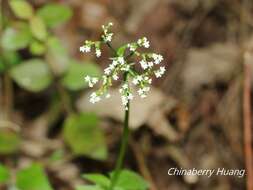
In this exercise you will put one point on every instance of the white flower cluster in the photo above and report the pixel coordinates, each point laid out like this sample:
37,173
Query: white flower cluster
91,80
126,95
88,45
107,35
120,64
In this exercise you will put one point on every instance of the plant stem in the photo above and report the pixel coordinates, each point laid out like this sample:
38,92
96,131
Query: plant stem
123,146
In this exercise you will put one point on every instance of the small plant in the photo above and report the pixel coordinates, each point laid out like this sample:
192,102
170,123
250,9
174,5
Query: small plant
123,67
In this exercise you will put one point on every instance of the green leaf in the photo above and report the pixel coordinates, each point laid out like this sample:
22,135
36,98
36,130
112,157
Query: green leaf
37,48
21,8
38,28
98,179
2,67
57,55
33,178
33,75
121,50
129,180
16,38
55,14
74,77
11,58
4,174
9,142
82,134
89,187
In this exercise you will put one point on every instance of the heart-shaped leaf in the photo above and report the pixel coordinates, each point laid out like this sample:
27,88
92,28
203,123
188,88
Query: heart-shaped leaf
21,8
98,179
129,180
57,55
33,178
82,134
16,38
74,77
4,174
55,14
33,75
89,187
38,28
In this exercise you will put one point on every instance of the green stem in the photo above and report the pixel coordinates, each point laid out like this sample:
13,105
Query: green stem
123,146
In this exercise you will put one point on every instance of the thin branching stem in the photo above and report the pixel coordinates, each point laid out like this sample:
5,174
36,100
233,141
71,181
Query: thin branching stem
123,146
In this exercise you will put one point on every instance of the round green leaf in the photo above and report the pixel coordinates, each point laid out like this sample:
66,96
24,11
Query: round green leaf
129,180
33,75
21,8
37,48
33,178
4,174
16,38
9,142
74,77
98,179
54,14
57,55
38,28
89,187
82,134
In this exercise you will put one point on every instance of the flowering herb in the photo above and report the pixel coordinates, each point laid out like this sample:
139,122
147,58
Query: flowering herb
122,68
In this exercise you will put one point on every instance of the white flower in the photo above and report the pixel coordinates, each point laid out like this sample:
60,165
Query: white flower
158,74
144,64
87,78
121,60
107,71
98,52
107,95
150,64
146,89
130,96
139,78
157,58
94,98
125,68
145,43
139,42
115,77
94,80
132,47
114,62
124,86
85,48
140,91
108,37
124,100
162,70
135,81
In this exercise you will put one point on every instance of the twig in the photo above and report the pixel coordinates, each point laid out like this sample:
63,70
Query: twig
247,57
247,124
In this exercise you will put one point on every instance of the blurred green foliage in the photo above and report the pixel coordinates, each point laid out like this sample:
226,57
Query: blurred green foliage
4,174
32,178
49,63
82,133
128,180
